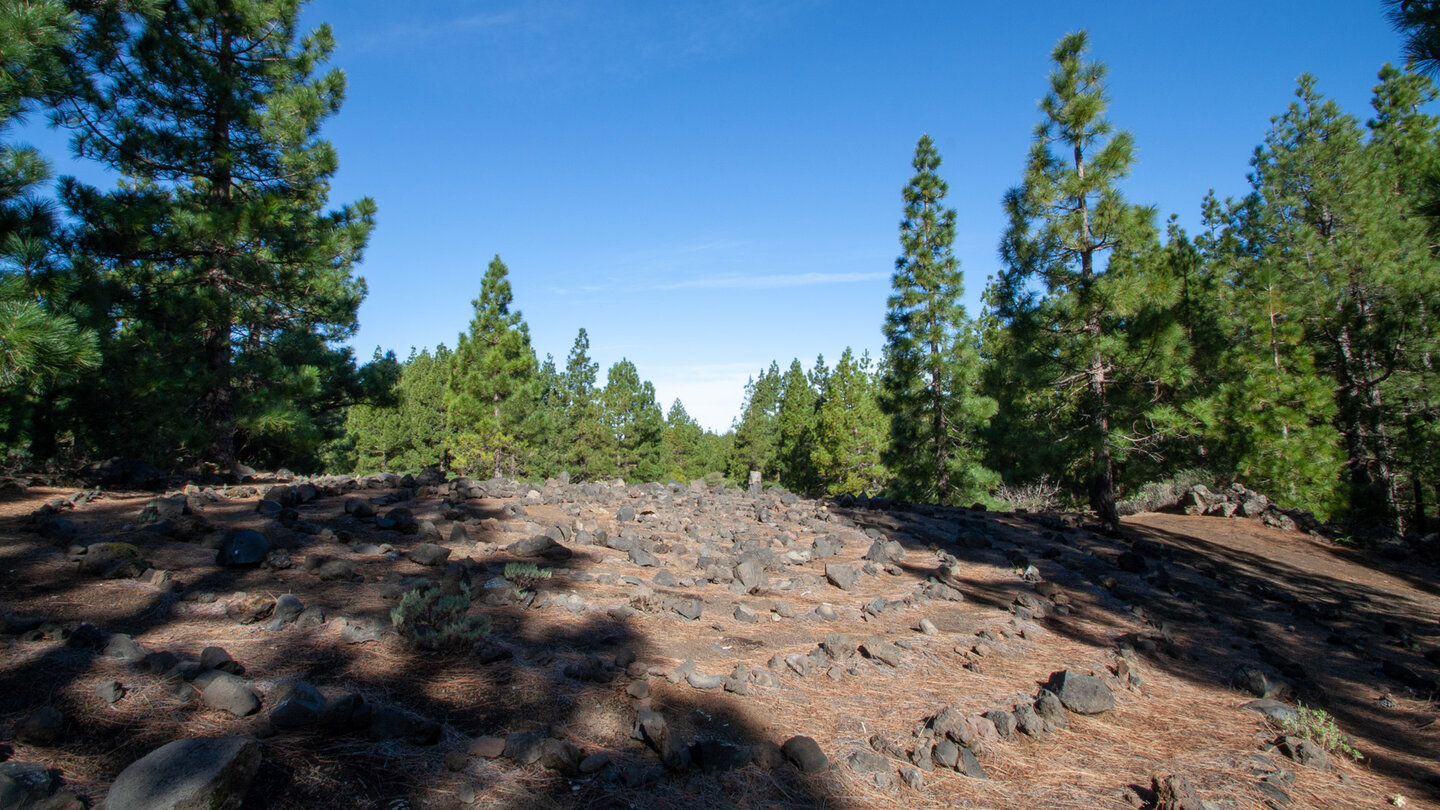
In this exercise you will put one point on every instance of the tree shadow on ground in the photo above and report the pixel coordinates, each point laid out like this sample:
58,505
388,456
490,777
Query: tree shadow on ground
534,690
1210,608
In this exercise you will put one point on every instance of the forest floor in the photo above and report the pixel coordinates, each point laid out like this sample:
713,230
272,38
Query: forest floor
1163,616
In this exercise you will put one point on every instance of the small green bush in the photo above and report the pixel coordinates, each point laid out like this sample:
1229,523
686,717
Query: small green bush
432,621
1319,727
524,577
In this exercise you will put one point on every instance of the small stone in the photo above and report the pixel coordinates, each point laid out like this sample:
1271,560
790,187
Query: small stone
689,608
456,760
868,762
841,576
970,766
881,650
110,690
192,773
288,608
1050,710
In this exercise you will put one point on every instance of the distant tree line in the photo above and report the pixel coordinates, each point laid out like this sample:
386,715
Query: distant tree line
196,313
489,408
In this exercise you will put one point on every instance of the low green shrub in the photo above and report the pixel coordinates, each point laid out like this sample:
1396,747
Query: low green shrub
524,577
432,621
1319,727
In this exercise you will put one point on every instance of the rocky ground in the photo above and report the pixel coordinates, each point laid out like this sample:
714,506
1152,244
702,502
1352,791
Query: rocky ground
694,648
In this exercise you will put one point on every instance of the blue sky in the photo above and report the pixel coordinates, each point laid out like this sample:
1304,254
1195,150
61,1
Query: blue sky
708,186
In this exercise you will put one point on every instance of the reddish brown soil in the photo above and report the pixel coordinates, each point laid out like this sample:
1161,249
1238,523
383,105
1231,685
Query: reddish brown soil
1236,592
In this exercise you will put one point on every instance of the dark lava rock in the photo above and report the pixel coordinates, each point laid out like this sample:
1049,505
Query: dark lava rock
243,547
841,576
1082,694
1004,722
40,727
804,753
113,561
717,755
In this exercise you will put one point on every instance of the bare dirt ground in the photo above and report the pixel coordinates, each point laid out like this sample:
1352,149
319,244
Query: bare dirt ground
1348,634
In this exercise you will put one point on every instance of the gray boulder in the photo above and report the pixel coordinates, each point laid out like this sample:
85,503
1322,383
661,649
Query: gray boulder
195,774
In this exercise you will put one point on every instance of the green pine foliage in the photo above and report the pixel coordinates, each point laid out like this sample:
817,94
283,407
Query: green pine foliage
851,432
1342,262
932,368
1082,293
684,452
491,387
757,431
587,450
432,620
411,433
40,342
795,430
636,425
230,280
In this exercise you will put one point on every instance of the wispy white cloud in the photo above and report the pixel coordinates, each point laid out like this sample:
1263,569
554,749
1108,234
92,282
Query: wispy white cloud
414,34
770,281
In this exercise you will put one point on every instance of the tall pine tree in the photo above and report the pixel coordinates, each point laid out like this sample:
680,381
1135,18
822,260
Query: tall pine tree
492,381
1078,271
930,388
218,247
40,341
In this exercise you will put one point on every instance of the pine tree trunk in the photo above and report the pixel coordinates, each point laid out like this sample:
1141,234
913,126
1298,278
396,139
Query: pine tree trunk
217,401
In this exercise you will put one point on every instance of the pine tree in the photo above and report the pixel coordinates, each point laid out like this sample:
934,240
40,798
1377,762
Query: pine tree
756,433
635,422
39,343
795,429
1337,219
930,389
851,433
1267,419
492,381
682,446
1079,268
217,249
587,452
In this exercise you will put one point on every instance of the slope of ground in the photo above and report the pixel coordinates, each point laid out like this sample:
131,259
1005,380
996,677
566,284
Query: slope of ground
785,644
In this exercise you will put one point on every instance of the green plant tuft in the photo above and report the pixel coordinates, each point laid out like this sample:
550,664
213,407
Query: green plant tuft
525,576
432,621
1319,727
